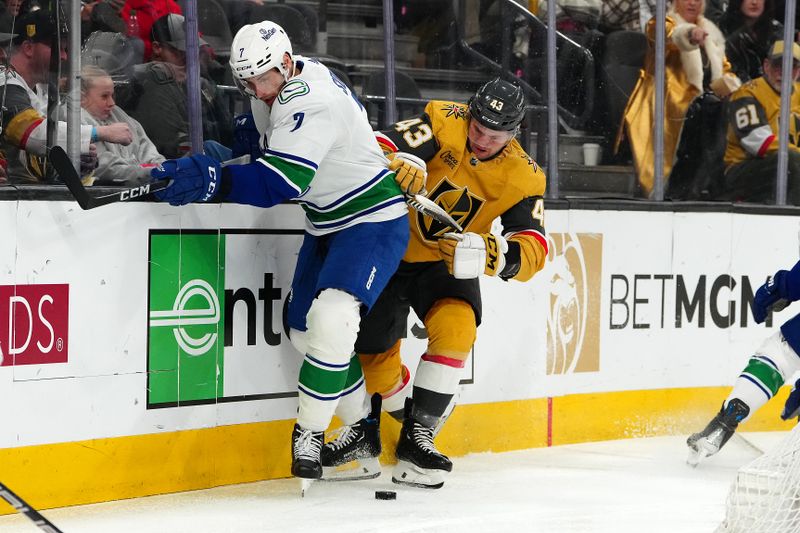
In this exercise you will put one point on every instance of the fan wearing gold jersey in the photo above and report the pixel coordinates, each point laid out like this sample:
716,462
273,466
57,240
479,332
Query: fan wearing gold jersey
751,157
477,171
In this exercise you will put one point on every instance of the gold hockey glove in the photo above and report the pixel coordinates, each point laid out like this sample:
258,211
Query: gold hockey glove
410,172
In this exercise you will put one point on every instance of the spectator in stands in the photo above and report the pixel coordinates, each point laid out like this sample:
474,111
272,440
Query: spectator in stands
574,16
25,103
13,6
131,164
160,103
6,25
117,55
695,64
714,10
751,158
750,28
631,15
147,12
101,16
5,38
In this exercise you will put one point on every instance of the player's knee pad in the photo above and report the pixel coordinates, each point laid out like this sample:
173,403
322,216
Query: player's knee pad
451,328
333,322
776,350
382,371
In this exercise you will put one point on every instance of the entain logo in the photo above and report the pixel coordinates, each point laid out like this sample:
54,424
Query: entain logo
181,316
573,272
185,358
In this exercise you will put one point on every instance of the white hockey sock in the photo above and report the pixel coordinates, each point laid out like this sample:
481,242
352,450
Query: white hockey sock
325,375
765,372
757,384
355,402
319,389
395,401
435,384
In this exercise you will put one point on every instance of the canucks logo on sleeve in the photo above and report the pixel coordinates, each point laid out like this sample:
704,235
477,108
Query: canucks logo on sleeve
293,89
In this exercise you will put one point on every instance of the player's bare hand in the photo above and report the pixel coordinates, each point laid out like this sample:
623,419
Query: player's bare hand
117,133
410,173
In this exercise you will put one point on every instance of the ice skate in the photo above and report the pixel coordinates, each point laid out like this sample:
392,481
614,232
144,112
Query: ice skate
354,451
419,463
721,428
306,446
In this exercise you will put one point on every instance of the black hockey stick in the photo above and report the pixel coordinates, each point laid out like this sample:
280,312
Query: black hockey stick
23,508
63,166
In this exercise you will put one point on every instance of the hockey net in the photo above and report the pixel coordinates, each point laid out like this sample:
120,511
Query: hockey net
765,497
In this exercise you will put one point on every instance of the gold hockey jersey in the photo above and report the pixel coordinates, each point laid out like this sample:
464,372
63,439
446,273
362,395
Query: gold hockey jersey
509,185
753,115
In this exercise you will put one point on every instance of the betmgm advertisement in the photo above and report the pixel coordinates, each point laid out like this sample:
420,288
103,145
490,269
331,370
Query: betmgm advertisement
215,330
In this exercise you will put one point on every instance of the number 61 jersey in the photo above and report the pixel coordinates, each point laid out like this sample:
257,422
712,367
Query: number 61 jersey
754,112
509,185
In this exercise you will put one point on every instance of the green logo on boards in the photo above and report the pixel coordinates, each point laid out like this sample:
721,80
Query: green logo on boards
185,318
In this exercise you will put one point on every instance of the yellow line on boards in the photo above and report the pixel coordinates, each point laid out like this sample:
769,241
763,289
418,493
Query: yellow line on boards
73,473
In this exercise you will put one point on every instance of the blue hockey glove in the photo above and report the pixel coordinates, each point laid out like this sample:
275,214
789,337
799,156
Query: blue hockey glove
246,137
792,407
770,297
194,179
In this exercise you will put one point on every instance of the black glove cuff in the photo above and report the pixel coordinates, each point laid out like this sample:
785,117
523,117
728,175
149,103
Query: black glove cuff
513,261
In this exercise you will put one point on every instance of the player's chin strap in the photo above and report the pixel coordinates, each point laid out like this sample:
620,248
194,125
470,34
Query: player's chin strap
285,70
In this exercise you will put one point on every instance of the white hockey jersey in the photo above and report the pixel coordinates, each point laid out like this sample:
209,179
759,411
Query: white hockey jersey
317,137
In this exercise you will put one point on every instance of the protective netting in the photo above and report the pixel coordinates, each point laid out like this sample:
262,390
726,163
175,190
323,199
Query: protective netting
765,497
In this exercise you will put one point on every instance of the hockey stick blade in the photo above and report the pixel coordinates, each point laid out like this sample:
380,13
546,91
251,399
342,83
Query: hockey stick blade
22,507
63,166
427,207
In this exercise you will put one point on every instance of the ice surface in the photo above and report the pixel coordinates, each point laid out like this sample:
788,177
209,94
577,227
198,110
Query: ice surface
626,486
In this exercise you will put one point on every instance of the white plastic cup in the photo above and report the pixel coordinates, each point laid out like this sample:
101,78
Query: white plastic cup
591,154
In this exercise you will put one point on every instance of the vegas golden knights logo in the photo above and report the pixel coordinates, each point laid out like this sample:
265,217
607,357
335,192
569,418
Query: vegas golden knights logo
573,271
459,202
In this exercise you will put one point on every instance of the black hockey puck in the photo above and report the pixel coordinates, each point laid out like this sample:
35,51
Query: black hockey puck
385,495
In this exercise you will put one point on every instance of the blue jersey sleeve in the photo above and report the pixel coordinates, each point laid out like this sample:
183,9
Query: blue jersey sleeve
257,184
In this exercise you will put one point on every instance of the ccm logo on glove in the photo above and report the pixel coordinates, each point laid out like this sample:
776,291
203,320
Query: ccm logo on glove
212,184
468,255
194,179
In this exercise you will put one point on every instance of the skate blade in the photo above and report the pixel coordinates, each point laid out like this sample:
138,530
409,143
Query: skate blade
407,473
701,450
360,469
305,484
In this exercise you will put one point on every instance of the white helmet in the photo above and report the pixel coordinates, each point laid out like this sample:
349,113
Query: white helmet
257,48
